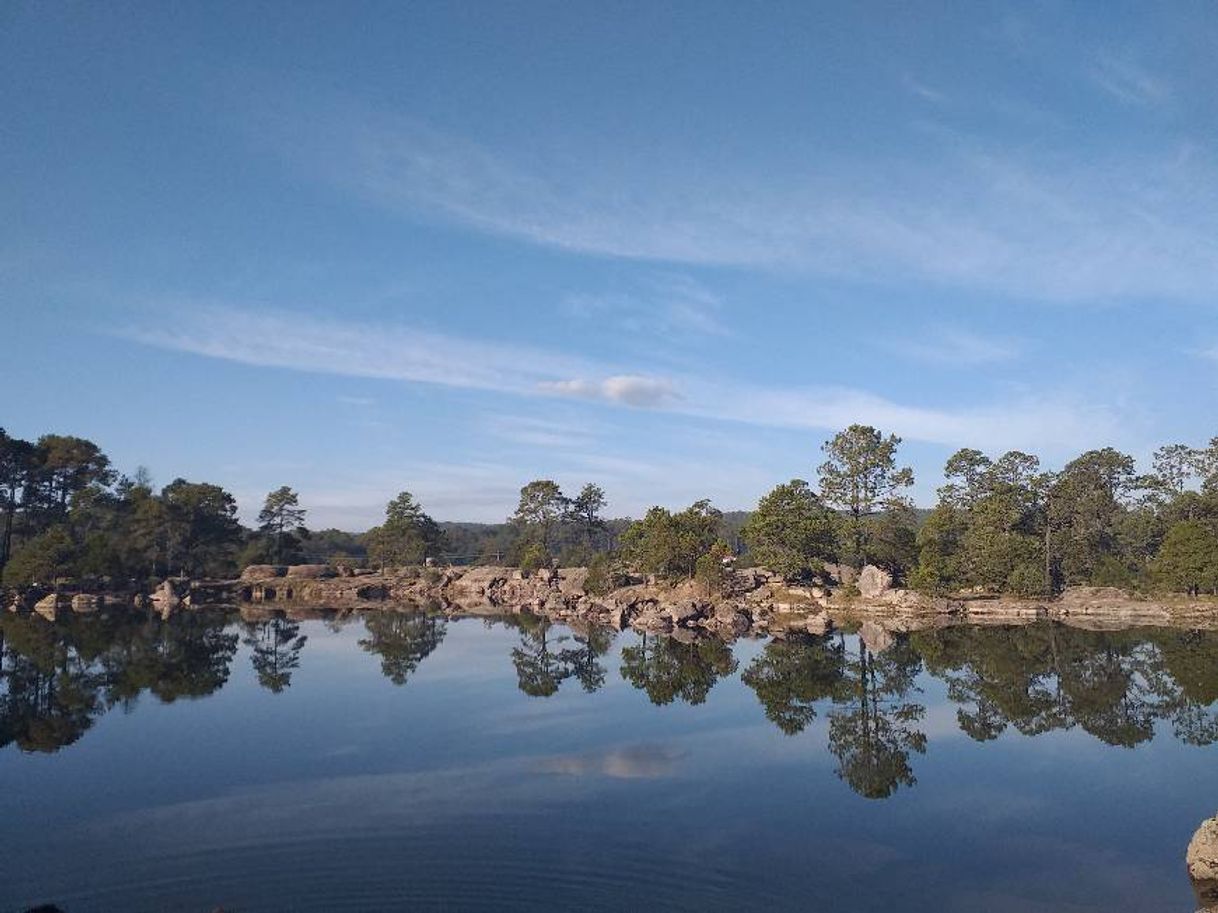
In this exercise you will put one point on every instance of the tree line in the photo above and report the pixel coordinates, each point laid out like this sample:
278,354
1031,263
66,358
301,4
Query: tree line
66,512
1001,524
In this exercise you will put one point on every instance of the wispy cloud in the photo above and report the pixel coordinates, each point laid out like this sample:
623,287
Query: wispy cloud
669,305
1126,81
956,347
1025,222
923,91
1051,423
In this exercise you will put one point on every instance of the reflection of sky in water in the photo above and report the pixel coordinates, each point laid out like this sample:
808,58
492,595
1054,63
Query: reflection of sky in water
457,790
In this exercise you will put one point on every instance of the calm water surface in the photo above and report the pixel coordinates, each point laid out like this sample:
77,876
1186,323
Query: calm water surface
404,762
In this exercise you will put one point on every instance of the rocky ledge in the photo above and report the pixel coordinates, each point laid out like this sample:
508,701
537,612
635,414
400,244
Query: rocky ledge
754,601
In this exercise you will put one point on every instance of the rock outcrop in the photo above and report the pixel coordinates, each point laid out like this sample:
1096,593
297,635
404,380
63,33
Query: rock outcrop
874,582
1202,861
311,571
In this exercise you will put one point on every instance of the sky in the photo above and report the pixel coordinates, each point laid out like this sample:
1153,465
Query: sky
360,248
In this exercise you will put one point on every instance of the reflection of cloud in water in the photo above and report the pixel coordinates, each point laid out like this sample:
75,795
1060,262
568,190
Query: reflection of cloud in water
627,763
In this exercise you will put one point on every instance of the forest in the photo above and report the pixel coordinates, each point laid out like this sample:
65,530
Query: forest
1001,524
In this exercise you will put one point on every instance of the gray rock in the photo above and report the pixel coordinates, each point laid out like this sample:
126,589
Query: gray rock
874,582
1202,861
310,571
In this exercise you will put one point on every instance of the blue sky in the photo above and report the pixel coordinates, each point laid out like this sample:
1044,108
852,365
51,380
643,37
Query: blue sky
669,247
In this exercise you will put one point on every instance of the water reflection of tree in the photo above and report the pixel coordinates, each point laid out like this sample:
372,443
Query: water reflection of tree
583,660
56,679
275,646
872,726
789,676
188,658
539,670
668,669
402,641
1112,685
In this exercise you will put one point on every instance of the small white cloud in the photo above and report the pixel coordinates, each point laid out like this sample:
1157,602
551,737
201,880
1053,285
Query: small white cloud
626,389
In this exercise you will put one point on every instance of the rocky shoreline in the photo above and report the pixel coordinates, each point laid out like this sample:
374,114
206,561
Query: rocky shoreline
754,602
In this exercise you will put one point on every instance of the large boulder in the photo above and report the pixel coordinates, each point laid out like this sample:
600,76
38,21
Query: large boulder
262,572
311,571
1202,861
874,582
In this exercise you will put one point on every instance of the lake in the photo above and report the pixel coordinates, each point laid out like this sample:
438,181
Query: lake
397,761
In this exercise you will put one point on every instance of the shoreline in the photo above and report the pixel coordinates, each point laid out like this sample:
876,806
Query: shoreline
755,603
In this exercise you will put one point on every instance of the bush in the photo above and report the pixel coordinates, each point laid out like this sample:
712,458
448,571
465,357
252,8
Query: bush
431,575
576,556
1110,571
1027,580
605,574
534,558
927,581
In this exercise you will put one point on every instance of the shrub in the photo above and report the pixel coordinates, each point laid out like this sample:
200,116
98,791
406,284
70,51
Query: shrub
605,574
534,558
1027,580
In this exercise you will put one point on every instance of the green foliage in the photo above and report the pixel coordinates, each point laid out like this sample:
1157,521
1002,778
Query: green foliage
939,543
43,559
541,509
280,518
585,511
669,545
1188,561
198,527
1027,580
791,532
711,570
407,537
580,555
534,558
892,537
859,477
605,574
1086,504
